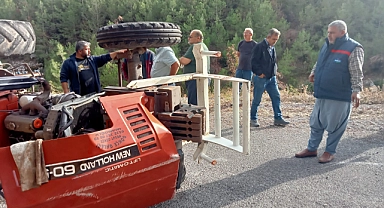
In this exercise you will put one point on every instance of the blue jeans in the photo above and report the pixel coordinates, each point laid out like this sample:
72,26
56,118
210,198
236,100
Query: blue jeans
244,74
191,91
270,85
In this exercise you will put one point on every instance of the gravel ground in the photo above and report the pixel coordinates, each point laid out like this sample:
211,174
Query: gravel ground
271,177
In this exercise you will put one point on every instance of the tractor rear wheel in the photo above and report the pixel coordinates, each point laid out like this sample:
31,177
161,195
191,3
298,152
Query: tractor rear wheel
131,35
16,38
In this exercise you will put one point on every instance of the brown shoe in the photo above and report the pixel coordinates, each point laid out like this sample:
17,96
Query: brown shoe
326,157
306,153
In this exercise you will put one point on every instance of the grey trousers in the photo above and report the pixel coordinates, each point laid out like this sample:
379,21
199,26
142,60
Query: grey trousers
330,115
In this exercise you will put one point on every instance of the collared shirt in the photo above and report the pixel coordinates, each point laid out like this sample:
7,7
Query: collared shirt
356,60
270,48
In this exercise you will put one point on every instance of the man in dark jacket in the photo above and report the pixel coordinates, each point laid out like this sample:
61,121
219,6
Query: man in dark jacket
264,68
338,80
81,70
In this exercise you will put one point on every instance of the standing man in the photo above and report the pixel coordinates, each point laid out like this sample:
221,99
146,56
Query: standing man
244,52
165,62
81,69
189,62
146,63
338,80
264,67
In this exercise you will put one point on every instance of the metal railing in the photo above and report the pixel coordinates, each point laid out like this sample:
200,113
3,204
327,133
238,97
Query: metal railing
202,76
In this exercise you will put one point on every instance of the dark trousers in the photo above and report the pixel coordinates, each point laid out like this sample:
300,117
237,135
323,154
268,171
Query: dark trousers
191,92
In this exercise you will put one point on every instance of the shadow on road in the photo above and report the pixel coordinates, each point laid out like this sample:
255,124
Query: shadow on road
273,173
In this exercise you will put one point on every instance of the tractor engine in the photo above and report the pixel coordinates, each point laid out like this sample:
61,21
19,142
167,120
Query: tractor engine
28,122
22,127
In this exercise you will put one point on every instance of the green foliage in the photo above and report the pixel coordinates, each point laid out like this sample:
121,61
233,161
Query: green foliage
303,57
286,66
109,75
53,63
59,24
232,60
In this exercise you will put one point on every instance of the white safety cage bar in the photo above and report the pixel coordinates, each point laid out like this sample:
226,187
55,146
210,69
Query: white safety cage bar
202,76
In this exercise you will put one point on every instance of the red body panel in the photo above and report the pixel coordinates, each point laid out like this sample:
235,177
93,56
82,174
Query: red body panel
141,180
8,101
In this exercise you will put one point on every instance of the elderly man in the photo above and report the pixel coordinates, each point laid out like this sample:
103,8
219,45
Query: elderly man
244,52
337,77
81,69
189,62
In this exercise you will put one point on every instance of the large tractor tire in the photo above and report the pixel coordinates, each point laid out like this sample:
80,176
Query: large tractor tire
131,35
16,38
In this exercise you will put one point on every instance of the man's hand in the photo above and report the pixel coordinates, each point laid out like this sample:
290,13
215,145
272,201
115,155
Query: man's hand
184,61
119,54
355,99
218,54
311,77
65,87
262,76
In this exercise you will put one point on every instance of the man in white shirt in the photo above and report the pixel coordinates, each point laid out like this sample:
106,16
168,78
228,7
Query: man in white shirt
165,62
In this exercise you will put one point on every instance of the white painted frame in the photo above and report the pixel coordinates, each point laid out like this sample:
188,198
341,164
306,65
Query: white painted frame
202,77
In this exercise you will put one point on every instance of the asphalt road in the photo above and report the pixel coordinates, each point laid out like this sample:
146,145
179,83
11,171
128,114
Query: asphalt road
271,177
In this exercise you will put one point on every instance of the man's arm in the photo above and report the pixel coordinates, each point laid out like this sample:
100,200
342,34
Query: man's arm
255,60
118,54
312,75
188,56
170,60
105,58
356,61
184,61
174,68
64,76
238,49
65,87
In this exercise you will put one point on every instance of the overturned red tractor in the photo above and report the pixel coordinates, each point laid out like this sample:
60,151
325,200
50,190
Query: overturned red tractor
118,148
101,150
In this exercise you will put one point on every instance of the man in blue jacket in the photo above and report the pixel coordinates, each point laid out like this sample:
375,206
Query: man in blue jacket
338,80
264,68
81,70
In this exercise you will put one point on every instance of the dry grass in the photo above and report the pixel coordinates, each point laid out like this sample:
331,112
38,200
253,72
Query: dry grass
298,103
368,96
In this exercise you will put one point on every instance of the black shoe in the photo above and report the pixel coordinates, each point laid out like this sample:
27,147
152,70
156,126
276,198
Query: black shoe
280,122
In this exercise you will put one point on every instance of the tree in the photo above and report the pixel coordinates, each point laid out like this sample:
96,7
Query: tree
303,24
302,51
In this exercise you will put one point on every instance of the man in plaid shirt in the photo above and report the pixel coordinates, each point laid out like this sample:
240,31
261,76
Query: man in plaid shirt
338,81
